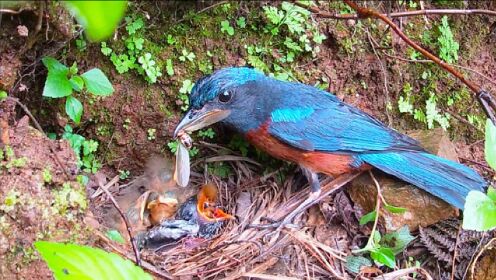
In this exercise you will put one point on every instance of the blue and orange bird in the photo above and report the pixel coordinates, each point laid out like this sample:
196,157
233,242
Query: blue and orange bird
308,126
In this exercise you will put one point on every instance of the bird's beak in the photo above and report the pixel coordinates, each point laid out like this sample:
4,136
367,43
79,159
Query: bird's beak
198,119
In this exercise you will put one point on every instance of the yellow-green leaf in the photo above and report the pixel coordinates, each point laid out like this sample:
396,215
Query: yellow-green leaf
71,261
100,18
97,83
490,145
73,108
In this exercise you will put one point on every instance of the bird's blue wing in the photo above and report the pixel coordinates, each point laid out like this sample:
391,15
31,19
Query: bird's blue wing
314,120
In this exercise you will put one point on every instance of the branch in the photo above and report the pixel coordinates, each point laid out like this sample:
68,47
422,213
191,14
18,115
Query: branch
487,101
325,14
128,226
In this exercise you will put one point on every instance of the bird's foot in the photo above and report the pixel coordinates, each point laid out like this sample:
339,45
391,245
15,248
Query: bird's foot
287,221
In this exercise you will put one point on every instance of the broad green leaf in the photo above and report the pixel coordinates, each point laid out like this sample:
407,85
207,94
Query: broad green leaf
97,83
100,18
355,263
77,83
115,235
57,85
73,108
480,212
491,193
490,145
71,261
54,65
384,256
368,218
376,237
395,209
397,240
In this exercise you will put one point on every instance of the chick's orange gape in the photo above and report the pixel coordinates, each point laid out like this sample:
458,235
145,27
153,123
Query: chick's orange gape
207,204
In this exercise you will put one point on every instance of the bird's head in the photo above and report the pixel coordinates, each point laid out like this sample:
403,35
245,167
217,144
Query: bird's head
224,96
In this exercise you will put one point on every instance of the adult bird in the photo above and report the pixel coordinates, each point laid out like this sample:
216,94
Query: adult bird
316,130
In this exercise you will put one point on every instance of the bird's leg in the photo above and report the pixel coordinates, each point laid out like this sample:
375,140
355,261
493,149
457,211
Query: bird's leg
313,180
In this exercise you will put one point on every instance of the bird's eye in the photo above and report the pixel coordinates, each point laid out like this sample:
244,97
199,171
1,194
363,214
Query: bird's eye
225,97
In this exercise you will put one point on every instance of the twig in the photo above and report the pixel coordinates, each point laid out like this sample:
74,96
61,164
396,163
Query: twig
485,99
146,265
204,9
455,252
397,274
486,247
106,187
430,61
326,14
38,126
384,73
461,119
379,201
128,226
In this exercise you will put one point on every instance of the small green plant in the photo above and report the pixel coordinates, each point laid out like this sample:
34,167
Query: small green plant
206,133
190,56
81,44
63,81
149,66
126,124
84,150
124,174
134,55
184,92
173,148
480,208
47,175
448,47
151,134
169,67
71,261
225,27
241,22
3,95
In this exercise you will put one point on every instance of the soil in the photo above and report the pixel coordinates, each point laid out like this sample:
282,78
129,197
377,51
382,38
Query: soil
121,123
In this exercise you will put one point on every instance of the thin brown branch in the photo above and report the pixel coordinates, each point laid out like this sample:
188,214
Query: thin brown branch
326,14
128,226
430,61
38,126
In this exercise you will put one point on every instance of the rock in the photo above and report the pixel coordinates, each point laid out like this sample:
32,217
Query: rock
423,209
9,66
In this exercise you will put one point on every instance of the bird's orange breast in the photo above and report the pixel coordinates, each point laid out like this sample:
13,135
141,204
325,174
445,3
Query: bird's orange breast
321,162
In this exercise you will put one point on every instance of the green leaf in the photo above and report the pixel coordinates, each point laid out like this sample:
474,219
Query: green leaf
355,263
73,69
491,193
397,240
97,83
384,256
73,108
368,218
395,209
100,18
54,65
71,261
480,212
77,83
169,67
490,146
57,85
3,95
115,235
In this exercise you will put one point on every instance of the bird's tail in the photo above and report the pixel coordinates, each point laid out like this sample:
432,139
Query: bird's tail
443,178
